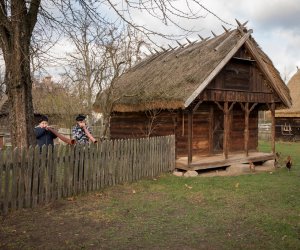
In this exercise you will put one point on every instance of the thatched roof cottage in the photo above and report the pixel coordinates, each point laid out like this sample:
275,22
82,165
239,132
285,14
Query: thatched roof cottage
207,93
288,120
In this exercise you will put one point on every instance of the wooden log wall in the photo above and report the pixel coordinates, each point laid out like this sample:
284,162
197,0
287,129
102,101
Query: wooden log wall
236,139
240,81
142,124
287,128
31,177
204,138
201,125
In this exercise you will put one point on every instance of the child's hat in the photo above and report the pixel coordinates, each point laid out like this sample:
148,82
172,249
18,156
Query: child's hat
43,118
80,118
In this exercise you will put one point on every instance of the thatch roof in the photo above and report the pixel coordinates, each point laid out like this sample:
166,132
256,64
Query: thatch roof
173,78
55,102
294,87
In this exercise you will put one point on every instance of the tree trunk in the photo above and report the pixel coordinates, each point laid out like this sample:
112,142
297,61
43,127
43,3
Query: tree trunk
20,101
17,22
19,88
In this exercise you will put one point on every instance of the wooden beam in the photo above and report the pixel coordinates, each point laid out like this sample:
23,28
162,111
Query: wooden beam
156,51
217,69
224,41
201,37
170,47
189,41
253,106
213,33
197,105
231,106
211,130
226,130
226,112
246,130
226,30
272,109
219,106
163,48
247,111
181,45
190,138
239,24
244,24
182,124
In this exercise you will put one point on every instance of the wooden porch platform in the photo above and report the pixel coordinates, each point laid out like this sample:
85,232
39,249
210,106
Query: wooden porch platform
216,161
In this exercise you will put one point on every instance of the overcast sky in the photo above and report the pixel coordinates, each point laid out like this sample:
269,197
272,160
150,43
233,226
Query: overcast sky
275,24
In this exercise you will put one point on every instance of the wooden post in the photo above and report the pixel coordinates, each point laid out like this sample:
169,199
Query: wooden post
226,130
272,109
190,137
226,110
211,130
246,130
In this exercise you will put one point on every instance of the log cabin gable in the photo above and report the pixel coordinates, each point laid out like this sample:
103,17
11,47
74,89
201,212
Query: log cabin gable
241,76
240,80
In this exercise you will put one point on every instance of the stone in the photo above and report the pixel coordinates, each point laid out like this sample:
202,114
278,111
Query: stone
177,173
190,173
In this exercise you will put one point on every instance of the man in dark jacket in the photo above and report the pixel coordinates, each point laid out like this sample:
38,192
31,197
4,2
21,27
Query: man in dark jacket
42,134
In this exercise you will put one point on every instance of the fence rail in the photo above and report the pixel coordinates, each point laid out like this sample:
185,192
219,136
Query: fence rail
33,176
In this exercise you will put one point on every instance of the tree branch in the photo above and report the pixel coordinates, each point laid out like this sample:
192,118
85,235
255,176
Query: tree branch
33,13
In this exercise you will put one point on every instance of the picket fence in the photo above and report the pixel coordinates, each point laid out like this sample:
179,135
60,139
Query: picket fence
33,176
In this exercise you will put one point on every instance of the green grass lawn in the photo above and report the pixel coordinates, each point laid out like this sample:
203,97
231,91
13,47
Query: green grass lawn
285,148
254,211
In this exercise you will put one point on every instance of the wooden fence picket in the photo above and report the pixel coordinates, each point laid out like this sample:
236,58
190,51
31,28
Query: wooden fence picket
42,175
21,187
36,166
66,171
71,187
102,163
50,164
7,181
14,178
34,175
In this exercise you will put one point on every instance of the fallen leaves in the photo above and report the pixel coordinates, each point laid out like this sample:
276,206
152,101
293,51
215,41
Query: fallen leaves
187,186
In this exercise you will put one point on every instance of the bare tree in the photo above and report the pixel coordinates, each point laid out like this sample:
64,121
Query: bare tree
151,124
18,19
85,64
101,54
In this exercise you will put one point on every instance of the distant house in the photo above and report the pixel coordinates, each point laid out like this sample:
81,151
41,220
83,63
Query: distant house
288,120
207,94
